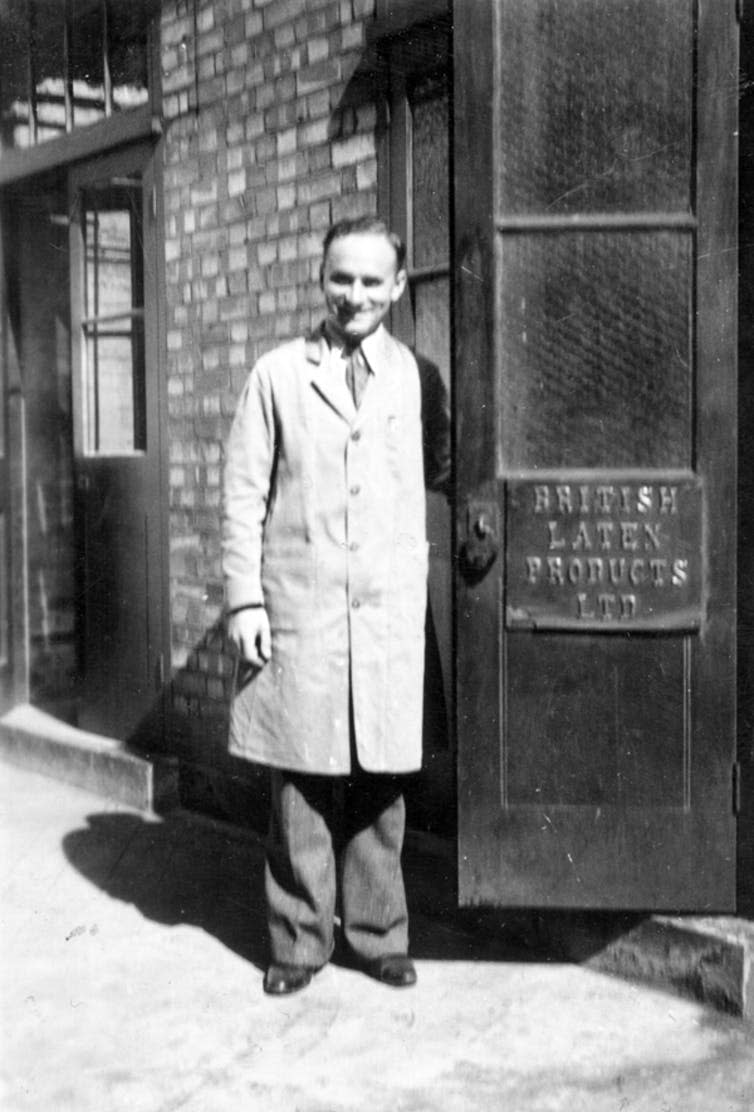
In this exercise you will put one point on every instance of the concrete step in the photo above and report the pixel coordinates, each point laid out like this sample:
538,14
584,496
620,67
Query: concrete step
30,738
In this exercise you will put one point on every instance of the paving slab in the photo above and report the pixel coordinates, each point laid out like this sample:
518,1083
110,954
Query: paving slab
132,956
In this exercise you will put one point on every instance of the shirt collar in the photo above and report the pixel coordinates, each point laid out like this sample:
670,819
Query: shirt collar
371,345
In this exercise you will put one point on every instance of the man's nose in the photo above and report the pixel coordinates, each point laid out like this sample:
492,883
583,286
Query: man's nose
355,292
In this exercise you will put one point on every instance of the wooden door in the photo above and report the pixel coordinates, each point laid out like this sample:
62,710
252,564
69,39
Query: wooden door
595,220
5,562
117,402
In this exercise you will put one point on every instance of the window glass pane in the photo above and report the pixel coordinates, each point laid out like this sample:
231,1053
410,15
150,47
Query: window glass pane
114,382
595,350
113,334
128,54
430,201
614,131
108,263
87,69
14,88
49,68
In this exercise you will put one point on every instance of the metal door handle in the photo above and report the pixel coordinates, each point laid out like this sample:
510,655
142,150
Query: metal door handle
480,547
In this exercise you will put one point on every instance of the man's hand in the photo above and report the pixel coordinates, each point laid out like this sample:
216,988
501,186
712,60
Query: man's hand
249,630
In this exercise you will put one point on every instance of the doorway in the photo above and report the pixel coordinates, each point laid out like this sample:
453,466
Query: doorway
84,267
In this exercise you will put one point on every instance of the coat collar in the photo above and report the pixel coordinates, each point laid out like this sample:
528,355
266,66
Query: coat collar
376,348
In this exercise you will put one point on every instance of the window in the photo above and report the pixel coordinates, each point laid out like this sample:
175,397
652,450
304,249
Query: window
112,320
416,196
68,63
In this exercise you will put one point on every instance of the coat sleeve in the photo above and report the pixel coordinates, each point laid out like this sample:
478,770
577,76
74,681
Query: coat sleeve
435,427
247,480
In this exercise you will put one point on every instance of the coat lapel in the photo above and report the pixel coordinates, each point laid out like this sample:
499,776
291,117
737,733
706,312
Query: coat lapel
331,387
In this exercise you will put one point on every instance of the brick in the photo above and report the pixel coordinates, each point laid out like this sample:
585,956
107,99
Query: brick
235,82
254,75
352,36
315,189
211,43
285,88
284,37
204,193
235,283
178,29
207,67
363,9
286,196
286,142
317,49
236,183
265,200
366,175
254,126
239,55
356,149
319,215
314,132
254,25
283,11
237,258
353,205
318,76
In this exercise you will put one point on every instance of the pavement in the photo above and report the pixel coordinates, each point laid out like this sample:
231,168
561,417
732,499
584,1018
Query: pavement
132,952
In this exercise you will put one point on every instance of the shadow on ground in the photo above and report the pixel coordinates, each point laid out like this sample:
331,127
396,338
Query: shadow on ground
183,870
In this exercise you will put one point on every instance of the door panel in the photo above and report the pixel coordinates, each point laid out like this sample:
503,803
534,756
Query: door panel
595,349
595,293
117,441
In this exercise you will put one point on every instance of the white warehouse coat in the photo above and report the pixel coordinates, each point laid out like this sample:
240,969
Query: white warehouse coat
324,522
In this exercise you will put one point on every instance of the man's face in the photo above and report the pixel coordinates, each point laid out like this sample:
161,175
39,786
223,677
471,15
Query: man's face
360,281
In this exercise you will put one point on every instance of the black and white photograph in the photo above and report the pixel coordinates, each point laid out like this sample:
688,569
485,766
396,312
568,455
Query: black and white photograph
376,555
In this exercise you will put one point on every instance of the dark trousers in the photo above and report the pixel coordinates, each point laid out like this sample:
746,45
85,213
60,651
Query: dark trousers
317,822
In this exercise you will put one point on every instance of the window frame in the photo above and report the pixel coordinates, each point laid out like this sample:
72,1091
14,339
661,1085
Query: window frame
109,168
395,152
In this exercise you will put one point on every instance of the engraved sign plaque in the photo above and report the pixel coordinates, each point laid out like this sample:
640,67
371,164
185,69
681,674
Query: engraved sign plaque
612,555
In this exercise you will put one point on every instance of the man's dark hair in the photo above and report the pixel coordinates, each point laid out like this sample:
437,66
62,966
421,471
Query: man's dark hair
366,225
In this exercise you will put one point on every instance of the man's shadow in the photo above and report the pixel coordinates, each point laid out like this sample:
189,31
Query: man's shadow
180,870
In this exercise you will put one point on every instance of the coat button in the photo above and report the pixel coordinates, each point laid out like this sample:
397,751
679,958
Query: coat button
355,604
354,546
356,435
355,489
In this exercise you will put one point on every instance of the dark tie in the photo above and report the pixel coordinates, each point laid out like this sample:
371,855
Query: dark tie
357,374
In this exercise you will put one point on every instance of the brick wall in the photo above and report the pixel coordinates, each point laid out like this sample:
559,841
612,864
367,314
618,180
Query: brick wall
265,145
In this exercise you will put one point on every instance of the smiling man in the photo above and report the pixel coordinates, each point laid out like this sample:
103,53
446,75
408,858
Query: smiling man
325,563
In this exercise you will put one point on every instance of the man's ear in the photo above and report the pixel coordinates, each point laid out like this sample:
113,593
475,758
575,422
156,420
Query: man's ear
400,284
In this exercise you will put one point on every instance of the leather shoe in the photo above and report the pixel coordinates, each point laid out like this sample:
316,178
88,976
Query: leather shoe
281,980
396,970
